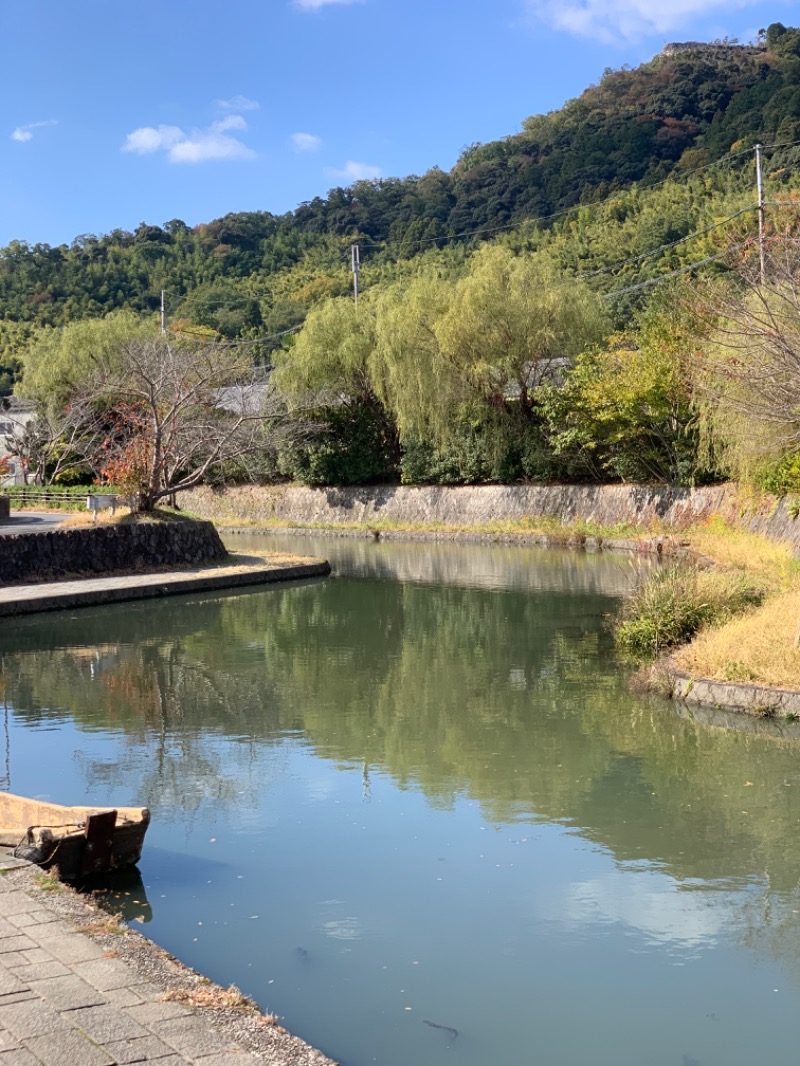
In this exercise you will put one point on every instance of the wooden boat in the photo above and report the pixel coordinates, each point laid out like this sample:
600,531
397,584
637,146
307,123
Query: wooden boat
79,841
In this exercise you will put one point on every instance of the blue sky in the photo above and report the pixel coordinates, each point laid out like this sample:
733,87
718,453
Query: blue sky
116,112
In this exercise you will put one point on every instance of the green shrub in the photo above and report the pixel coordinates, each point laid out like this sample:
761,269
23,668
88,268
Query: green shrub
783,477
354,445
487,449
673,602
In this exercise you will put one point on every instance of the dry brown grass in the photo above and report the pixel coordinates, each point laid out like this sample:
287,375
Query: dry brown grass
107,925
212,997
83,519
736,549
757,648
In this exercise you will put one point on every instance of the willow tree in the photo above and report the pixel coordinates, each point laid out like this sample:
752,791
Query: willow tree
56,361
328,375
514,323
479,347
411,376
329,361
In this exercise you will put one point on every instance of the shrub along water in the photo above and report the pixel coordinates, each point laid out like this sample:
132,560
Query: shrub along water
673,602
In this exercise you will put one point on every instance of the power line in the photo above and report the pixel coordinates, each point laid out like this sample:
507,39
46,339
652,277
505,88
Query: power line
239,344
665,247
674,273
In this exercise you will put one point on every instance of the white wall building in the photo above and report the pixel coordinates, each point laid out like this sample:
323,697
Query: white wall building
15,414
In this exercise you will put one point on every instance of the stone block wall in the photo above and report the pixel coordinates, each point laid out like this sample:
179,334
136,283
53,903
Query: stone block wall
641,506
62,553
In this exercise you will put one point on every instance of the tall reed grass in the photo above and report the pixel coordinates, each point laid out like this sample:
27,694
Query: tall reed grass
675,601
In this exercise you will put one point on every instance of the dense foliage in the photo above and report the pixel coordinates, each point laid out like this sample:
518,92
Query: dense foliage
510,325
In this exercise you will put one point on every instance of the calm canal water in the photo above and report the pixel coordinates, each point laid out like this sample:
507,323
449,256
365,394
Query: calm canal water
420,792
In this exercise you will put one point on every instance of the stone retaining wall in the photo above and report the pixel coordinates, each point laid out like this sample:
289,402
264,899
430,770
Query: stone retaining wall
62,553
5,508
602,505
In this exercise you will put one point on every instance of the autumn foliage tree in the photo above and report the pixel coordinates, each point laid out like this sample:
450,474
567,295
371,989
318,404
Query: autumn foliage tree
178,413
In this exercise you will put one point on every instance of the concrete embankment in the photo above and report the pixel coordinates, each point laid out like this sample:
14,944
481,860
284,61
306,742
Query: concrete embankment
481,507
758,700
241,572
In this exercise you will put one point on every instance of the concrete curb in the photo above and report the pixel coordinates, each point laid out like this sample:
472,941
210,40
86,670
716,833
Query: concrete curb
90,592
757,700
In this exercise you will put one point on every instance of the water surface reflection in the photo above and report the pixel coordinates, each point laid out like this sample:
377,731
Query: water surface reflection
421,791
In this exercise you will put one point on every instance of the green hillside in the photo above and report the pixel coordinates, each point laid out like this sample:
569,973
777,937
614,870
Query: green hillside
516,323
250,273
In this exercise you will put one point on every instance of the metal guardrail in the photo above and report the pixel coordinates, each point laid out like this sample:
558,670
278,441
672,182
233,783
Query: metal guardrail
92,500
35,495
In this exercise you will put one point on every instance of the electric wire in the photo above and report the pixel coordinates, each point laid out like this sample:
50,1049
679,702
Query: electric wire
667,247
674,273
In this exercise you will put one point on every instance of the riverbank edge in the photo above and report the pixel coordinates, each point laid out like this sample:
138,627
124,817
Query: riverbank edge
760,701
245,1023
573,539
755,700
92,592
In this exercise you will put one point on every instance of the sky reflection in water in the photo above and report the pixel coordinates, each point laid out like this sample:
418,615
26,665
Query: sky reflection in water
420,791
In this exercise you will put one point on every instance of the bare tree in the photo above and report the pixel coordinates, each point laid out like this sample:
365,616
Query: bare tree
176,413
57,442
748,362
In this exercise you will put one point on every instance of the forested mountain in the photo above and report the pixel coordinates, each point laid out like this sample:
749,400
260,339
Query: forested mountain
254,272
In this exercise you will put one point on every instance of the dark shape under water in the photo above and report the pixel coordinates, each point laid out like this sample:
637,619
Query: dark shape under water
454,1032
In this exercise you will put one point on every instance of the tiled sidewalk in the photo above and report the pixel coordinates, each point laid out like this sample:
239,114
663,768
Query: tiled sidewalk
66,1001
63,1002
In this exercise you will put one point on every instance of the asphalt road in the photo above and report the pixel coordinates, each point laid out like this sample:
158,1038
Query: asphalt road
31,522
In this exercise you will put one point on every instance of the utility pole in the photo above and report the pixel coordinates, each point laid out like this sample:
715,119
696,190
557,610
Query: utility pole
163,315
760,187
355,258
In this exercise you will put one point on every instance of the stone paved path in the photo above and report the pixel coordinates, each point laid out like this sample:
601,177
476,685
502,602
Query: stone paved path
64,1003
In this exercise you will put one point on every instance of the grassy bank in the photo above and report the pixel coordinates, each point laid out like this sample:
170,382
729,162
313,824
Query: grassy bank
741,618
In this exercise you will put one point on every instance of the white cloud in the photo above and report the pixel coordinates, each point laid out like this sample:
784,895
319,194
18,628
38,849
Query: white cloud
149,139
355,171
25,133
306,142
238,103
315,5
199,146
611,21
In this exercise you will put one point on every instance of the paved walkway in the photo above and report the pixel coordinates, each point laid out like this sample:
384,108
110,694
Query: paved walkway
31,522
65,1001
84,592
